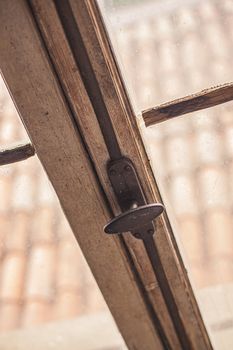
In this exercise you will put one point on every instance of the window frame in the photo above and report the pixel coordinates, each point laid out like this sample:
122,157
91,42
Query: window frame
56,109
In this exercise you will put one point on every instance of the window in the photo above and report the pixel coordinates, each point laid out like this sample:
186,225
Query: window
76,94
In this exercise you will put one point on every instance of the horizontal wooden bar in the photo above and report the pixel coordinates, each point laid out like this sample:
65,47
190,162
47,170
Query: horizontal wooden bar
204,99
16,154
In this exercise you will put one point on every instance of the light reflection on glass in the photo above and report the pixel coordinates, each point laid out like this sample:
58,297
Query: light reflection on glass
168,49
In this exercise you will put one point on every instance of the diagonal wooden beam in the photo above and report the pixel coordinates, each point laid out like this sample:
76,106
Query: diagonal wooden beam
65,58
59,115
204,99
42,106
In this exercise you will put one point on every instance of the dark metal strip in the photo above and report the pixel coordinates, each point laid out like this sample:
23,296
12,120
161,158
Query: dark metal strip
154,317
78,49
157,265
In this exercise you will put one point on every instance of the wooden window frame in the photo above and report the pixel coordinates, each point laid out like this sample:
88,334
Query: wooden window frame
206,98
56,108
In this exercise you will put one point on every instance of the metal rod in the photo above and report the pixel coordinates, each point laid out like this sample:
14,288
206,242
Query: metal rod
204,99
16,154
154,317
161,277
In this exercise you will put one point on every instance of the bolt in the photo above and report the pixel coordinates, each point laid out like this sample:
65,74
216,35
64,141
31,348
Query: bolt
134,205
137,235
150,232
112,172
127,168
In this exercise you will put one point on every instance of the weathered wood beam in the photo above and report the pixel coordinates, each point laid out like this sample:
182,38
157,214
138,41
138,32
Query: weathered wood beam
41,104
16,154
114,95
204,99
58,127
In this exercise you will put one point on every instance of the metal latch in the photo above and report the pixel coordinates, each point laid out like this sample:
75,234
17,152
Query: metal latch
137,216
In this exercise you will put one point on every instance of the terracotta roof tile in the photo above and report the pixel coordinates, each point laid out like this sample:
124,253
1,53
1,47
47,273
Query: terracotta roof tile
200,275
204,120
4,225
63,228
179,155
7,131
208,147
5,192
18,232
164,28
185,18
68,265
39,282
68,304
228,138
12,277
10,315
190,232
180,128
46,194
43,225
213,188
183,195
220,271
208,10
23,189
96,302
219,228
35,312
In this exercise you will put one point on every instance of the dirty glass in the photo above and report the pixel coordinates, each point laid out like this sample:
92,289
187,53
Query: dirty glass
48,296
168,49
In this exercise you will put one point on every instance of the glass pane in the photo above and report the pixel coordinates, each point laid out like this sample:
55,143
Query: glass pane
168,49
192,158
48,296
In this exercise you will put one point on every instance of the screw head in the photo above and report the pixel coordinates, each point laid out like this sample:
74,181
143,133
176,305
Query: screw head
112,172
150,232
137,235
127,168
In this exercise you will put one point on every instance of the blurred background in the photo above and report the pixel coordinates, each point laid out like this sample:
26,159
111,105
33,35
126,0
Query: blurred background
166,49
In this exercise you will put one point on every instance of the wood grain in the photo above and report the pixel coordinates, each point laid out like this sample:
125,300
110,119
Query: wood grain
205,99
124,123
16,154
43,108
86,119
